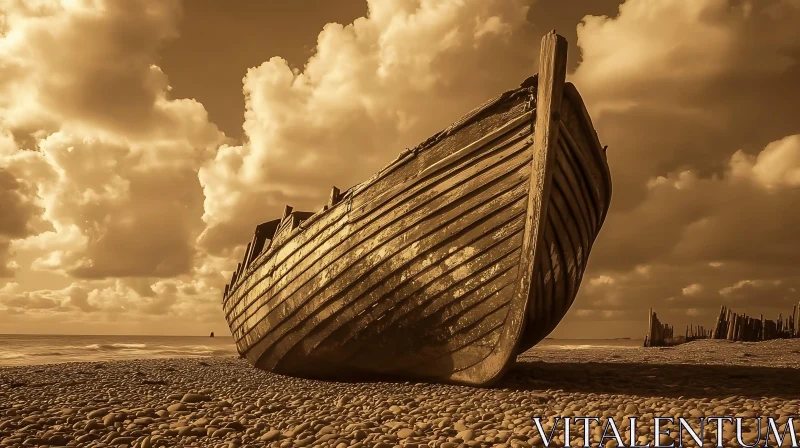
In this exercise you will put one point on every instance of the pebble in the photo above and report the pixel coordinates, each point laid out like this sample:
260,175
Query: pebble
238,406
195,398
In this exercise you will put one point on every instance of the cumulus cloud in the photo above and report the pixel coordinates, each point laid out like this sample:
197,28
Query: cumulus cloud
114,160
778,165
165,306
17,212
373,87
693,289
663,102
98,165
703,152
141,204
194,300
776,290
123,173
631,48
688,227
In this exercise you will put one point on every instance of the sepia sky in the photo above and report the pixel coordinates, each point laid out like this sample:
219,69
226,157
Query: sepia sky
142,141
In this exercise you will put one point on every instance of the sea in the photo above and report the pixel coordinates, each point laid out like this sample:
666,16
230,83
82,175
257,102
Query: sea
19,350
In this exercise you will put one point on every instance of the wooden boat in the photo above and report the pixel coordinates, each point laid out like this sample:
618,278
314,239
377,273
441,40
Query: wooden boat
459,255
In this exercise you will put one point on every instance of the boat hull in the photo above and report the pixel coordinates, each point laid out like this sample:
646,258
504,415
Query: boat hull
417,272
447,263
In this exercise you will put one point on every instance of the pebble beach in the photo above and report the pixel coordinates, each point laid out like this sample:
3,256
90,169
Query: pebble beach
224,402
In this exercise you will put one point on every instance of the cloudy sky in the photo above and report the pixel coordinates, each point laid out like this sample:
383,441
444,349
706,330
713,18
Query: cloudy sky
141,142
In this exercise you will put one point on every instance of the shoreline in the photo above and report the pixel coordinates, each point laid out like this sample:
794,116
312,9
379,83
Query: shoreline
224,402
22,350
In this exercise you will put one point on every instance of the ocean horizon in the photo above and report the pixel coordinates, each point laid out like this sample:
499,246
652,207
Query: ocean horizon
38,349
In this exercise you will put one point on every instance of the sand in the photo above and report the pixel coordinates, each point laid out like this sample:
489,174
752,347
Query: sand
223,402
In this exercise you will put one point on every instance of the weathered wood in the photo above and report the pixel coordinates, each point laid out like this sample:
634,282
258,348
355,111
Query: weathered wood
448,262
287,210
750,329
263,235
663,335
547,124
334,196
474,146
719,324
247,254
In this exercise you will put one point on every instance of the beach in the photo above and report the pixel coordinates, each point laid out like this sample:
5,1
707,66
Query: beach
221,401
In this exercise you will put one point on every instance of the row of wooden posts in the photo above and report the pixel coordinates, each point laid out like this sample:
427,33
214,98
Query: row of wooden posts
731,326
741,327
658,334
662,335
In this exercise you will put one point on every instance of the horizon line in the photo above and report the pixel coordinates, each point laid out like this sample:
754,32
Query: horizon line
227,335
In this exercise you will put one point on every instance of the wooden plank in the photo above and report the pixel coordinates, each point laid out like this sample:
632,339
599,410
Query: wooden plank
569,166
568,191
348,304
364,241
368,256
552,75
561,293
334,197
329,300
287,210
246,256
491,155
445,272
585,168
431,297
474,146
407,214
718,323
577,120
563,236
411,162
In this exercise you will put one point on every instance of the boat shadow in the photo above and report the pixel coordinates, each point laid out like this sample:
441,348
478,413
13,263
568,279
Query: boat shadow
662,380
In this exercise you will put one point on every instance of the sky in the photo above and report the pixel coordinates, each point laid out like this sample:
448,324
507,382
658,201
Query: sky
142,141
